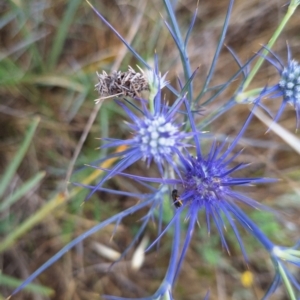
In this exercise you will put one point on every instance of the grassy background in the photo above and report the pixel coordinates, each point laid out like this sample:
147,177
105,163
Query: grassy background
50,51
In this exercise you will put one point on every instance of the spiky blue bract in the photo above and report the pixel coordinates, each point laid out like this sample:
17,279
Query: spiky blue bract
155,135
288,86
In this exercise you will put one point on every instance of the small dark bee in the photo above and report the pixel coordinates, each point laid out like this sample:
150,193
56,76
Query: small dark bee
176,199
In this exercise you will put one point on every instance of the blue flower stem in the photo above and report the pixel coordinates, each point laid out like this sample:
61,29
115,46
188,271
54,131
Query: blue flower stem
286,281
249,94
151,105
293,252
170,274
290,11
217,53
181,47
174,255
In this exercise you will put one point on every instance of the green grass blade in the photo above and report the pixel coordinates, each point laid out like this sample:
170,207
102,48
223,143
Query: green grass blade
13,166
20,192
55,80
10,72
12,282
62,32
24,18
36,218
23,44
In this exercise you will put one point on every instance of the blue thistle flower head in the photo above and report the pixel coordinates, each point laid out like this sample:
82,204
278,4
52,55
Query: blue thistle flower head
288,86
207,181
155,135
290,82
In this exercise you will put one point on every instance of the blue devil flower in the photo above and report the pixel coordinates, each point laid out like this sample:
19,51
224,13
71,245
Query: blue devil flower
207,183
155,134
288,86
